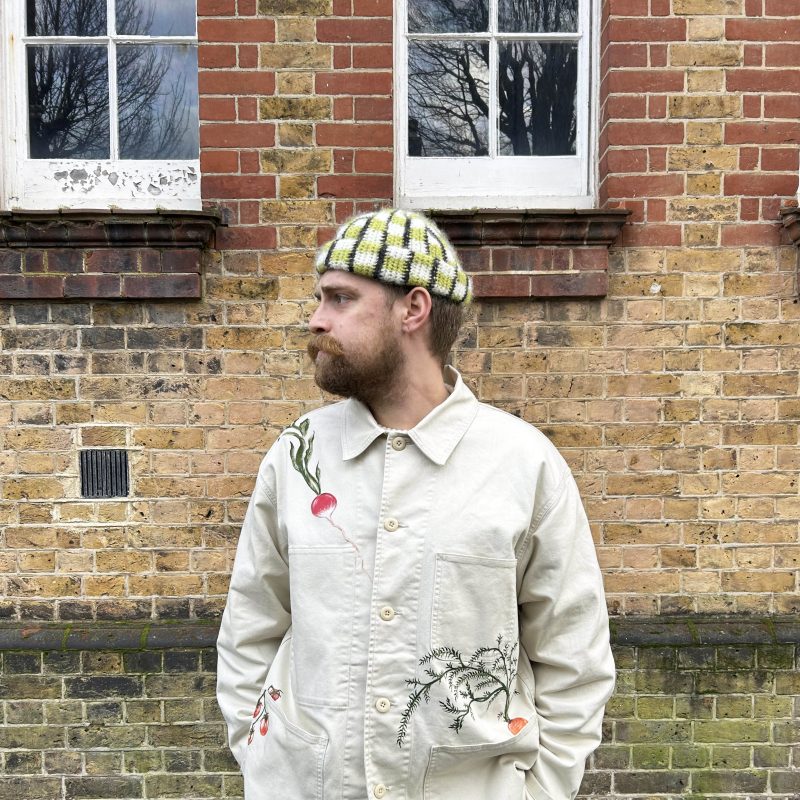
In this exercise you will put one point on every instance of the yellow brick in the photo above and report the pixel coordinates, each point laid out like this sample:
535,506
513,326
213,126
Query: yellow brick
37,389
304,55
748,581
119,413
708,29
704,183
33,488
642,581
755,483
758,384
39,561
39,439
704,133
295,29
644,285
302,236
706,55
659,485
776,285
300,108
730,8
103,436
295,134
35,463
260,339
701,235
642,385
231,289
297,186
709,106
286,211
702,209
278,8
295,83
703,260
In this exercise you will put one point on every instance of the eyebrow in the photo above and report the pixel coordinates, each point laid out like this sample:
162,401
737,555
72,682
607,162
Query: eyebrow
332,288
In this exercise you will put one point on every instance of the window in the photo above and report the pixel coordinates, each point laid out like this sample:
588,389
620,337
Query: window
495,103
99,104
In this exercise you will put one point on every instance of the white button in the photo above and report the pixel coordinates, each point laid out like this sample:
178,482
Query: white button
387,613
380,790
391,524
399,442
382,705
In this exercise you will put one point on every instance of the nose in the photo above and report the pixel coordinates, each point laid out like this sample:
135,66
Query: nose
318,323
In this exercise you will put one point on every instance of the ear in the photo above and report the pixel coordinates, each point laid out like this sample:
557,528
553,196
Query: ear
416,309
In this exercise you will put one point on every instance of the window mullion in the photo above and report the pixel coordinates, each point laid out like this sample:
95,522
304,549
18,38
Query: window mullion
494,100
113,110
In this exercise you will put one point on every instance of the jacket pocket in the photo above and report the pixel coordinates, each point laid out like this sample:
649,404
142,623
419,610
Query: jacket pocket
474,602
284,761
481,771
322,584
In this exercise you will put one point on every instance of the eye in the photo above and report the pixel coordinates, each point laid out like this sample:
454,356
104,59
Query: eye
340,299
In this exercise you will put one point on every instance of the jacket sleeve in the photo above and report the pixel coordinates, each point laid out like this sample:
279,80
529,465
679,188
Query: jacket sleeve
256,617
564,631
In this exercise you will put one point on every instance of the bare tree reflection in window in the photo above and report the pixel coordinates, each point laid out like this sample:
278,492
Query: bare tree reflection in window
537,83
68,90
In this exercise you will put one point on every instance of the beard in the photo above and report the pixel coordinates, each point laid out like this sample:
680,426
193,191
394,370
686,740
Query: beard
365,375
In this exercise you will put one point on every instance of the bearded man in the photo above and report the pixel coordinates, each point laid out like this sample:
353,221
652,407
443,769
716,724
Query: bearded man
416,609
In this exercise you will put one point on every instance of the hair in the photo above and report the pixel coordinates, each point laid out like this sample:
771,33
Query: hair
445,320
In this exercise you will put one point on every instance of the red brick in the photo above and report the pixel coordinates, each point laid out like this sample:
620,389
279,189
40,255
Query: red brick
30,287
352,83
753,55
762,133
501,285
217,108
748,209
592,283
625,107
378,56
249,162
753,8
627,160
10,261
751,106
660,8
785,106
248,56
246,238
377,186
656,106
246,8
343,108
656,211
762,80
590,258
246,109
628,8
348,135
639,133
760,185
114,259
253,82
381,161
640,80
342,8
658,55
87,286
645,186
184,259
227,186
251,134
781,8
627,55
373,8
156,287
365,31
771,208
780,159
373,108
215,57
647,30
216,8
236,30
64,260
216,161
782,55
657,160
751,235
530,259
649,235
249,213
342,57
762,30
748,158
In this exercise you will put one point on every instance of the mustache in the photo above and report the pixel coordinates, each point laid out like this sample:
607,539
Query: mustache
324,343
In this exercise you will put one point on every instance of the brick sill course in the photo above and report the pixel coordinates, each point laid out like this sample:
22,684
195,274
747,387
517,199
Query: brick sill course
790,216
84,255
545,254
699,629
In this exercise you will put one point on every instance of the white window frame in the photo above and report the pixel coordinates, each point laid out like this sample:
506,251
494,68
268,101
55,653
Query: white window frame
502,182
99,184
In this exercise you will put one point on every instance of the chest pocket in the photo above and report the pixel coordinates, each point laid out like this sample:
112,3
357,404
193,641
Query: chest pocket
474,602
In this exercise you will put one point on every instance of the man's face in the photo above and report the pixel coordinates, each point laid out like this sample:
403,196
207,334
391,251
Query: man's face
356,344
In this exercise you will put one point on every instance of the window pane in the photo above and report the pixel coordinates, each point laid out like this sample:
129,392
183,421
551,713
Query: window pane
448,98
156,17
158,104
448,16
68,101
66,17
537,16
537,92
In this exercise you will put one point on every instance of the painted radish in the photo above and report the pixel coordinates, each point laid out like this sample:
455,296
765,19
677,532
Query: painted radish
264,726
517,724
258,710
323,505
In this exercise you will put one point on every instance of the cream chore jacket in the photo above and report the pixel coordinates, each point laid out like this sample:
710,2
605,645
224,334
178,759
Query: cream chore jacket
414,614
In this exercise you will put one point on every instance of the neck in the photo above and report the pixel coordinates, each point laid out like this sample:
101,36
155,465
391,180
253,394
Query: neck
413,396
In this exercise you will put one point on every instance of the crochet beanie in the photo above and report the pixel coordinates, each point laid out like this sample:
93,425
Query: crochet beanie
402,248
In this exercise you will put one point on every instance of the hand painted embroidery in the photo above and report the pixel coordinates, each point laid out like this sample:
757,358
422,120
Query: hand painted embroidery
487,674
261,715
324,504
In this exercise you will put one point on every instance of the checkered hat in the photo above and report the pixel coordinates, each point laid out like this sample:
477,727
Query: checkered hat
398,247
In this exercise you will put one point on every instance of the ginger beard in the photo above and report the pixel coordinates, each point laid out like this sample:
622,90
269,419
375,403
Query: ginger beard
364,374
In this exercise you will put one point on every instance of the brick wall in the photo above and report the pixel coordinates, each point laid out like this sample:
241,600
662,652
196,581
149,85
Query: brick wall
674,398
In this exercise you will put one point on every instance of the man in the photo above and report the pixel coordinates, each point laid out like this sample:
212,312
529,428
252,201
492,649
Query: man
416,609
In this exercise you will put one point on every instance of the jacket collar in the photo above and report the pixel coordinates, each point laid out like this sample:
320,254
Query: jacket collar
436,434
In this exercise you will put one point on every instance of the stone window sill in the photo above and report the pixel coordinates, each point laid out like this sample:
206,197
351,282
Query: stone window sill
543,254
84,255
790,216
